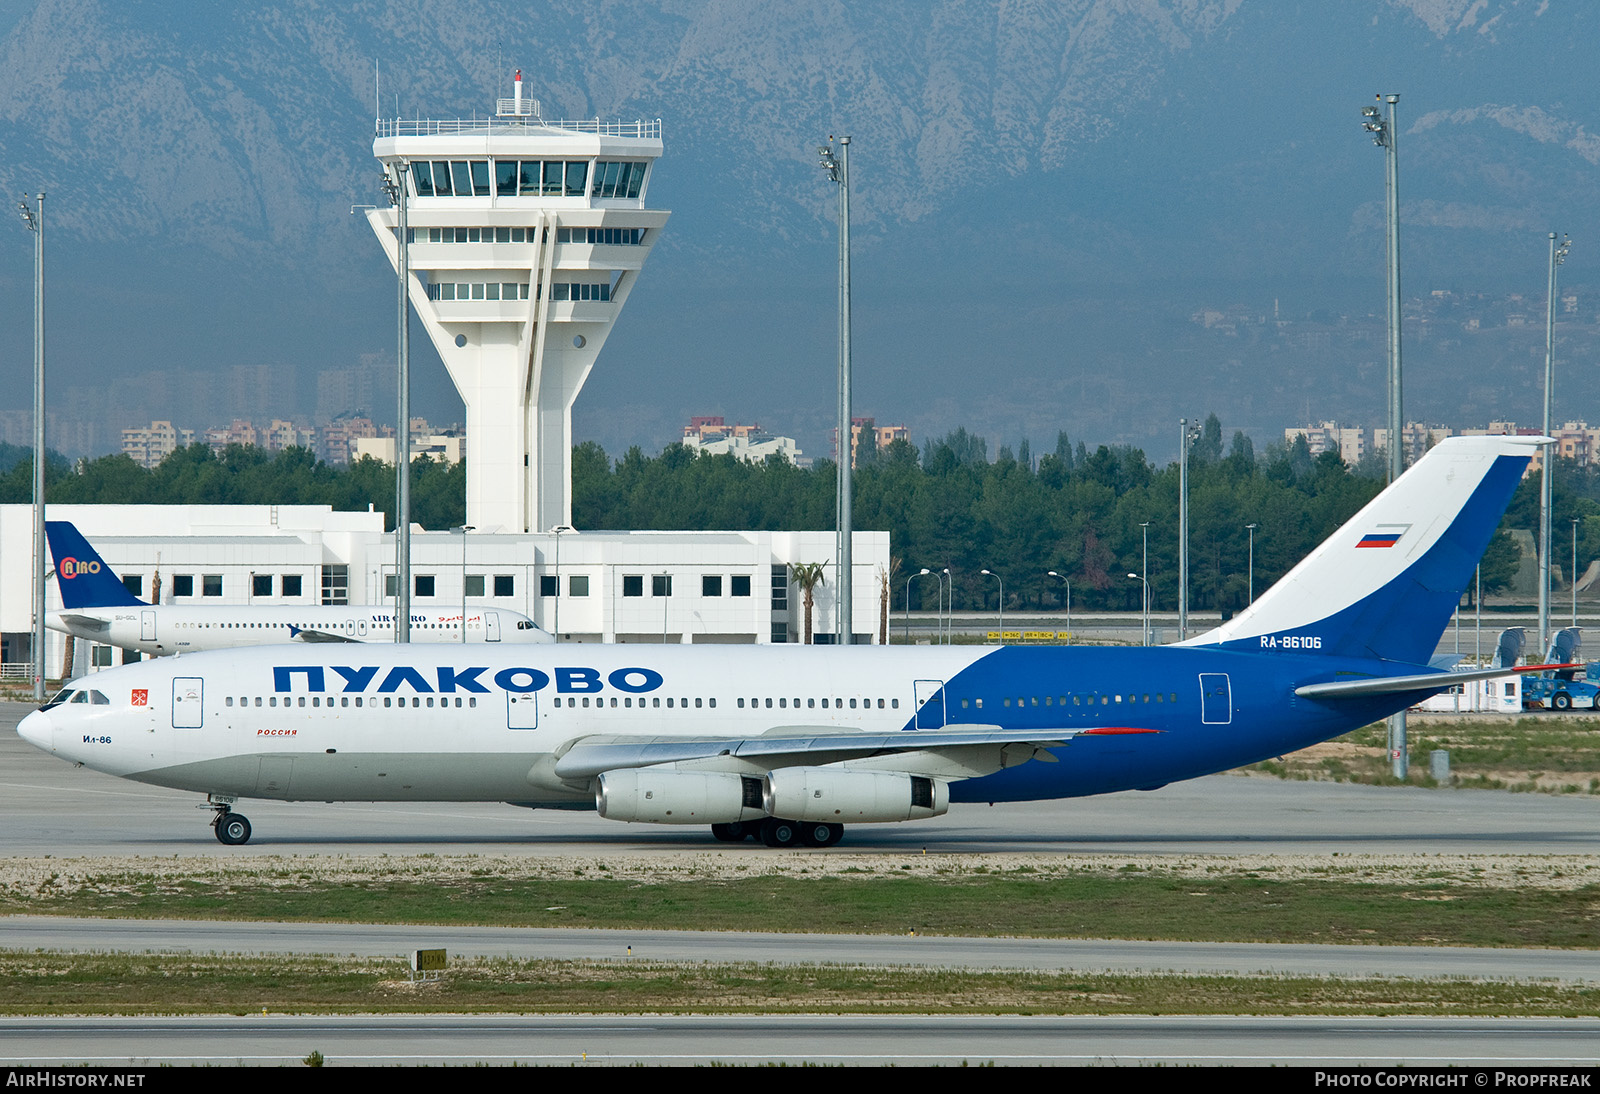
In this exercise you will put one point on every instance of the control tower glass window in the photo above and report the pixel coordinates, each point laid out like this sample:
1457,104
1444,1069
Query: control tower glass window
618,179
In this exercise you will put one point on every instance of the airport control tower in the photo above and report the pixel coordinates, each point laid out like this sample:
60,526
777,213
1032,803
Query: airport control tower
526,238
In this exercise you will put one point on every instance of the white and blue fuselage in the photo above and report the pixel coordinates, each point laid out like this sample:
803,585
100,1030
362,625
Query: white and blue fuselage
793,742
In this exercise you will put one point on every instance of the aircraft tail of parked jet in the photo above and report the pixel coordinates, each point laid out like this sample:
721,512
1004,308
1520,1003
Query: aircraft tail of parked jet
85,580
1385,585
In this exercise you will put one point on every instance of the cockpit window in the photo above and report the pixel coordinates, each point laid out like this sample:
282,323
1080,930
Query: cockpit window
81,697
98,699
62,696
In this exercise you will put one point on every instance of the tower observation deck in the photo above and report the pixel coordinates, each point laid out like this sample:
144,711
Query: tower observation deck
526,238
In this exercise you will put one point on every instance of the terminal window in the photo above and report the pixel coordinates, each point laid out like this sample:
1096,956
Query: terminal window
578,585
661,585
711,585
549,585
633,585
260,584
336,584
291,585
134,583
739,585
211,584
424,585
474,585
182,584
505,585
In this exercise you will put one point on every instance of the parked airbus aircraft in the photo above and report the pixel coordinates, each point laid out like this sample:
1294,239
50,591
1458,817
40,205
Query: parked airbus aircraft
791,743
97,606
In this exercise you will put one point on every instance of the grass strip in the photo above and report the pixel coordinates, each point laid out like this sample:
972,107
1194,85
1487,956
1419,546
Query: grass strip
138,984
1253,906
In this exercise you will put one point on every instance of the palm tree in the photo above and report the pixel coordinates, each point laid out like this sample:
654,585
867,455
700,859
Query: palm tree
886,580
807,575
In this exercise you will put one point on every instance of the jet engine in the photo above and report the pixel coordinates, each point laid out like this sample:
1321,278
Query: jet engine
839,796
678,797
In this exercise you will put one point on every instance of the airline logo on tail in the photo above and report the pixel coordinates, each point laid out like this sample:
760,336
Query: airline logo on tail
70,568
1387,535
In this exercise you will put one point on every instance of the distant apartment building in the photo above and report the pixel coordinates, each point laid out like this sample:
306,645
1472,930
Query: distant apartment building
438,444
750,443
149,445
1350,443
1416,438
880,437
337,440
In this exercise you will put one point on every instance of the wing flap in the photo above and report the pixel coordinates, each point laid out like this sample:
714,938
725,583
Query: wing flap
590,756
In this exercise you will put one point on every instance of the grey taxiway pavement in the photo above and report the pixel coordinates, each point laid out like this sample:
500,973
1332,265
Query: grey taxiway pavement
48,807
51,808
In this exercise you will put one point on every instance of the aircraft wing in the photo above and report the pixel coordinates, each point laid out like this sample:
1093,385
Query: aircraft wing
84,622
1427,681
590,756
305,634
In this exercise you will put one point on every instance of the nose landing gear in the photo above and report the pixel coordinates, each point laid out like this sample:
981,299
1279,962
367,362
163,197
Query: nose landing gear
231,828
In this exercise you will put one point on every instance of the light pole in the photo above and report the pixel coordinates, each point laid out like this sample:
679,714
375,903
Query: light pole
1252,586
950,601
1052,573
1002,605
464,529
1558,255
1385,135
1574,571
1145,569
838,169
35,222
1146,601
395,186
909,580
1186,436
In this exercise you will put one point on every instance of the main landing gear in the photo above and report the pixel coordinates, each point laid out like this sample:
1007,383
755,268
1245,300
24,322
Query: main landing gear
231,828
777,832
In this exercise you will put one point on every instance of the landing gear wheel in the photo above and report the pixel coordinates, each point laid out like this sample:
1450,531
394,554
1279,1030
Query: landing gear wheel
233,829
732,832
1562,701
820,834
779,833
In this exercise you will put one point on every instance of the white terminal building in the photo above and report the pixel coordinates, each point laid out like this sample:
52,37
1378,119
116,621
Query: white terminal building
525,238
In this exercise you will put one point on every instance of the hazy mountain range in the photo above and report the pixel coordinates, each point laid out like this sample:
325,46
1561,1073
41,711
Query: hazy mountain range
1044,194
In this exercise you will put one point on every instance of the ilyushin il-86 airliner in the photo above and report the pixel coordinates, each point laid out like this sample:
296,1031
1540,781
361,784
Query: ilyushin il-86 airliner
789,744
97,606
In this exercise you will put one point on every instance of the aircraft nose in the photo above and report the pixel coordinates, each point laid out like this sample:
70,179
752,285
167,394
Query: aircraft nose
38,730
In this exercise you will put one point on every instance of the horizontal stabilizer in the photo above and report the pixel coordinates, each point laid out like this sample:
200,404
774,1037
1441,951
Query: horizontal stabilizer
1427,681
84,622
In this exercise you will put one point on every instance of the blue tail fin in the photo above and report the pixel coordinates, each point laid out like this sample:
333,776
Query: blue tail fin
82,575
1386,583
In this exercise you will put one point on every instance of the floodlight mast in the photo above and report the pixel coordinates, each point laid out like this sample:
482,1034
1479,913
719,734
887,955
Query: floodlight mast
1558,256
35,224
838,169
1384,134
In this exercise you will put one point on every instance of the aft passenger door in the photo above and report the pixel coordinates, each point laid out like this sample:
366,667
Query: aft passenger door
491,626
929,696
147,626
1216,699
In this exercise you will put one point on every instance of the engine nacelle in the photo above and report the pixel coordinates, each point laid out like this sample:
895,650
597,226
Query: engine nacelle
678,797
839,796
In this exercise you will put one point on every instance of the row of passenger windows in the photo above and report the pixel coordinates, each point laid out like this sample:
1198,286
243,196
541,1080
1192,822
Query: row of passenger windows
1089,700
683,704
514,290
346,701
623,237
526,178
